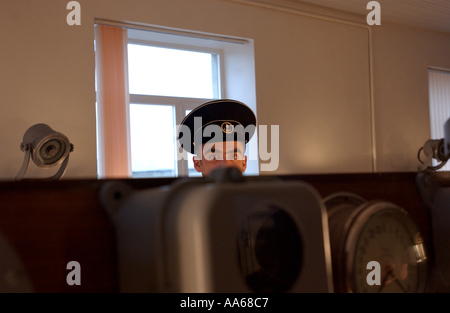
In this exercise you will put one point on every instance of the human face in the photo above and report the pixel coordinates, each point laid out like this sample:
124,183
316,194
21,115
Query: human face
221,154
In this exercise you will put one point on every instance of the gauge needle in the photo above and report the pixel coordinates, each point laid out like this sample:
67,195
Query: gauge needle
384,280
393,279
401,286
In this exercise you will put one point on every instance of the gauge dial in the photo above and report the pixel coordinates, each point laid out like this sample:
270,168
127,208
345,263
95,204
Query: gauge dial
390,239
376,247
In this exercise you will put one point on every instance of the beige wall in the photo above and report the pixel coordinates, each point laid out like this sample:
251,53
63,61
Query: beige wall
401,58
312,79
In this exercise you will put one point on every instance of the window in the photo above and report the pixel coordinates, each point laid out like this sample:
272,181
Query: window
439,93
167,73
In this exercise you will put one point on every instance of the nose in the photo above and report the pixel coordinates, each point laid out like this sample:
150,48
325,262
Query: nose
223,163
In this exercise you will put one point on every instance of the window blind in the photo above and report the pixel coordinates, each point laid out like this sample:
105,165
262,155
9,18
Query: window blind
112,103
439,98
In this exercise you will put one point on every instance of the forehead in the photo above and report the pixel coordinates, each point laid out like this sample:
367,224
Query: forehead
224,146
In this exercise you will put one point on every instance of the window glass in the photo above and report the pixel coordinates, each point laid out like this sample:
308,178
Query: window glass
171,72
152,140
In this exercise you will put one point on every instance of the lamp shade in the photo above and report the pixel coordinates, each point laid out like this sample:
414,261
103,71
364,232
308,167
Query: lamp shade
48,147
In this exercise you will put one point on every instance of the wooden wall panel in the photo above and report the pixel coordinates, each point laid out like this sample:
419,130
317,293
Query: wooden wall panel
52,223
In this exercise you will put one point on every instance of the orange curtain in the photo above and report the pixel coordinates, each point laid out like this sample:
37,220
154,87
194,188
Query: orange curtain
112,103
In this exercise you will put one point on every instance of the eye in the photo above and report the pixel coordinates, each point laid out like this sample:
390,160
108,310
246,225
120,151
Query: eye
238,156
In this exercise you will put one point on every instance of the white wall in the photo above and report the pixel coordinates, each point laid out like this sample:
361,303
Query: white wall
401,59
312,79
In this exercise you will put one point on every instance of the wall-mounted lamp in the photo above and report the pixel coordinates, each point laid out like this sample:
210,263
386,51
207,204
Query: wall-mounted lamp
433,149
438,149
47,148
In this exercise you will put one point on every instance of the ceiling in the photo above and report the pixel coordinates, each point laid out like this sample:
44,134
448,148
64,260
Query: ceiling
428,14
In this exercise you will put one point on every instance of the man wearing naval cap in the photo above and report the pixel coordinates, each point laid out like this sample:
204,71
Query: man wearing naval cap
216,133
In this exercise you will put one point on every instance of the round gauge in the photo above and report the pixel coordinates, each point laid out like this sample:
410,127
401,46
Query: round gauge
376,247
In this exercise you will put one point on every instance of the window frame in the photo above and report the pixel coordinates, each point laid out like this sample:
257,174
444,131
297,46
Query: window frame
180,105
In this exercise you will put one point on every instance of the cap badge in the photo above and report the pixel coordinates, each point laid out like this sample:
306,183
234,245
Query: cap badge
227,127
